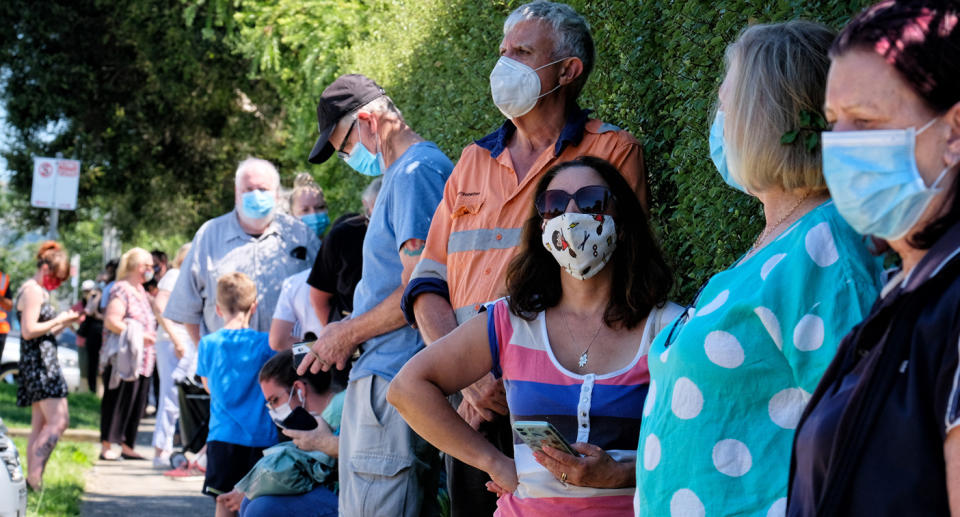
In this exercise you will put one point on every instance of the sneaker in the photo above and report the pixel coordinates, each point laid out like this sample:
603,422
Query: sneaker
161,462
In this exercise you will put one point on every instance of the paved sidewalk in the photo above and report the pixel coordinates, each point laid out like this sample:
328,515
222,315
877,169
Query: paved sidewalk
135,488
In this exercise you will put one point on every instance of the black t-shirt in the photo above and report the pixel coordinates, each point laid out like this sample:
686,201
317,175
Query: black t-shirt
871,439
339,263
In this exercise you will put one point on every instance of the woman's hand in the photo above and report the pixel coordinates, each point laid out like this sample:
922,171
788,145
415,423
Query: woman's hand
67,317
503,475
595,468
231,500
319,439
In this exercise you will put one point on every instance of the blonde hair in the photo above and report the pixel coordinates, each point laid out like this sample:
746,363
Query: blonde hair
55,257
304,182
774,72
236,293
131,259
181,254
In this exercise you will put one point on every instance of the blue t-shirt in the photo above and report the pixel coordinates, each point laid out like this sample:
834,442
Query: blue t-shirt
412,189
231,359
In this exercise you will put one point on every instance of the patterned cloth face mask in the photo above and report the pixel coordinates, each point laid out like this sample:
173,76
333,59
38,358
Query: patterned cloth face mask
581,243
873,179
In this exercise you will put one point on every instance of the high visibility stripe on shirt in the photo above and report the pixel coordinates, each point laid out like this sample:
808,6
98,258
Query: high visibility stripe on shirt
477,228
483,239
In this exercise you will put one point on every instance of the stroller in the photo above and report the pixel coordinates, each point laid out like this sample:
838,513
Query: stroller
194,420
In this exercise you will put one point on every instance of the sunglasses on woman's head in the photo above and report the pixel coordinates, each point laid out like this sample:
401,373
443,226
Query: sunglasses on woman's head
592,199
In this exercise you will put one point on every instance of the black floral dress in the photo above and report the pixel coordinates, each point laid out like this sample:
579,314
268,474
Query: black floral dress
40,375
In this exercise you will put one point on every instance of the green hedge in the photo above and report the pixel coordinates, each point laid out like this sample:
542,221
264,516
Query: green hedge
659,64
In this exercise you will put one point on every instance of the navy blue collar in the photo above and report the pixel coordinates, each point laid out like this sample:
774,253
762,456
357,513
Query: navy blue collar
572,134
946,249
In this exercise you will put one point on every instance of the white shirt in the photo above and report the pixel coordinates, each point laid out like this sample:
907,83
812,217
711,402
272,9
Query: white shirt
294,305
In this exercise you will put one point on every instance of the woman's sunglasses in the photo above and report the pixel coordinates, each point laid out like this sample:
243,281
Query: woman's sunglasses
593,199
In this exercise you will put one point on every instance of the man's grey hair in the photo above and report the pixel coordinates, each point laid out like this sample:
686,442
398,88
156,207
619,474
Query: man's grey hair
381,105
256,163
571,34
370,193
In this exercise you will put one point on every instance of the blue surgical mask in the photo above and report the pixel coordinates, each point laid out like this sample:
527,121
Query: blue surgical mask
317,222
873,179
365,162
718,152
257,204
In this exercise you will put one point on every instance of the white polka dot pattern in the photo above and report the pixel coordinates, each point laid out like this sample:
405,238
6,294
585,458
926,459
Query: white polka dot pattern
651,452
685,503
687,400
723,349
770,264
651,398
731,457
778,508
772,324
714,304
820,245
786,407
808,334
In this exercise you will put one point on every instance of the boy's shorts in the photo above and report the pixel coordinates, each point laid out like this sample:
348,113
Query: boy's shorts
227,463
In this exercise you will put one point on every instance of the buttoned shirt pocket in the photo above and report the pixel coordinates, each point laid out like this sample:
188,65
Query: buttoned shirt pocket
466,203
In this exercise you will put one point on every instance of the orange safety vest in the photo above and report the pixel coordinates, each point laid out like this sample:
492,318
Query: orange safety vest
4,285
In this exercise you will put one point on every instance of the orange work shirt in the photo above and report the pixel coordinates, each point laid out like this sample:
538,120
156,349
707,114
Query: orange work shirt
477,226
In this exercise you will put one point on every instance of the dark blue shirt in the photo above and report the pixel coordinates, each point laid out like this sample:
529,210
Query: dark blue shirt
870,441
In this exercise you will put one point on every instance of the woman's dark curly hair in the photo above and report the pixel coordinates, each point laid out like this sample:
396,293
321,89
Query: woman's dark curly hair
641,277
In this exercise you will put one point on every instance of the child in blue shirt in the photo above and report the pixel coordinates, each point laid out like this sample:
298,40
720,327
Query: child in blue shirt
229,362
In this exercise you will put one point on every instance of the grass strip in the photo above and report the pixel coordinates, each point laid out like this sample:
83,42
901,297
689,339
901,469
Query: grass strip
84,409
63,480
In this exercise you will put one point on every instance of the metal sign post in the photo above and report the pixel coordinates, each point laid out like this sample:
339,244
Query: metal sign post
55,185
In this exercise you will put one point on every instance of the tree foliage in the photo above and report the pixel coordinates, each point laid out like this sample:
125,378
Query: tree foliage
152,109
160,98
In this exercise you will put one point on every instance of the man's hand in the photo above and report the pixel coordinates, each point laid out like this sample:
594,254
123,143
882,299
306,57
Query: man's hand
179,350
231,500
487,397
319,439
470,415
333,347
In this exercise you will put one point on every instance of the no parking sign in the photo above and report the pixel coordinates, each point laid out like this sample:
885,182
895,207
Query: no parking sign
55,183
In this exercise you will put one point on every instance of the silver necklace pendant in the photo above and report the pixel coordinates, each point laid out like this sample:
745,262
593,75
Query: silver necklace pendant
583,360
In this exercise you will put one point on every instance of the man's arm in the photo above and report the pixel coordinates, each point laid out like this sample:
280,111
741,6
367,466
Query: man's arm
6,304
193,329
435,316
427,301
338,340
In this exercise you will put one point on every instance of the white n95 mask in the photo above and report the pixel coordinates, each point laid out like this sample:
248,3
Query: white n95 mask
516,87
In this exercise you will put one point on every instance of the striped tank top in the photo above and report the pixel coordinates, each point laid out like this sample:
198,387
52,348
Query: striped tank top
603,410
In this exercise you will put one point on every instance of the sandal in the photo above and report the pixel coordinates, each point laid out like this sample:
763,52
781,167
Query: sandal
133,456
109,456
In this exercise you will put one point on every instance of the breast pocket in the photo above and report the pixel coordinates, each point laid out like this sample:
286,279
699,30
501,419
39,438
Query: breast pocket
466,204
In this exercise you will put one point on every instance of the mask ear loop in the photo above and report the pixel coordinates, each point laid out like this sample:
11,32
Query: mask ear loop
558,83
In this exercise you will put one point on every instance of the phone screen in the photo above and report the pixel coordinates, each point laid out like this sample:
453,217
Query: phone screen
300,350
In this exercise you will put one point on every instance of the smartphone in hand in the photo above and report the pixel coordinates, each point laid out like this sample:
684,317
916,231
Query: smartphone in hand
300,350
537,433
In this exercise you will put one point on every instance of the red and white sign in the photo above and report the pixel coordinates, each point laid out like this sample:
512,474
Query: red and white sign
55,183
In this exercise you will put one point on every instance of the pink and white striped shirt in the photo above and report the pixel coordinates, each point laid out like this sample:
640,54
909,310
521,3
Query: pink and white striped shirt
604,410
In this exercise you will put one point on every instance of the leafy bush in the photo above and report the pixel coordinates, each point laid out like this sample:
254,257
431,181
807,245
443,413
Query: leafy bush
659,64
